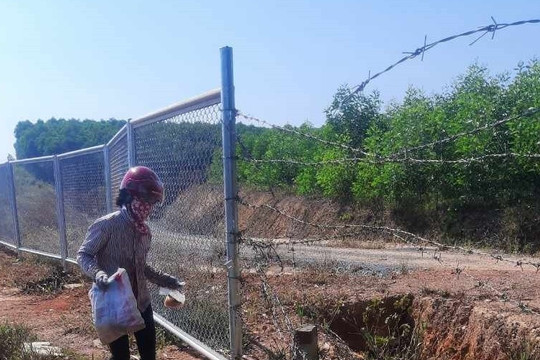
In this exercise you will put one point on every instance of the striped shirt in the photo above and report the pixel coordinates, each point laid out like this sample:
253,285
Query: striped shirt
113,242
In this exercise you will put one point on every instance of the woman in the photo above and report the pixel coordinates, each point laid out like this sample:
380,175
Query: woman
122,239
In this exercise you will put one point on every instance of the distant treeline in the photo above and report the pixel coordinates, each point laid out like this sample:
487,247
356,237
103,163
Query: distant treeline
56,136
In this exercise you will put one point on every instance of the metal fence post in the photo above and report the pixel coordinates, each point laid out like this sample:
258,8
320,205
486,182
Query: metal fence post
60,210
107,171
130,144
230,190
13,203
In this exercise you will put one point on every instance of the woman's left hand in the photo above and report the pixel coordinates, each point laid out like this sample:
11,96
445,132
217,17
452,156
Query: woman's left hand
175,284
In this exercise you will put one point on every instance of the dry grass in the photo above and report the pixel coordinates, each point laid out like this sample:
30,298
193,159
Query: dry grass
13,338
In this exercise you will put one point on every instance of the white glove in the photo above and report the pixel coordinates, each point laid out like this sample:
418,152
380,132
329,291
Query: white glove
102,280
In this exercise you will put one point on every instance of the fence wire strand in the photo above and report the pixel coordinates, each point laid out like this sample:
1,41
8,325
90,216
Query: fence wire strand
458,271
385,229
492,28
528,113
373,158
306,135
343,161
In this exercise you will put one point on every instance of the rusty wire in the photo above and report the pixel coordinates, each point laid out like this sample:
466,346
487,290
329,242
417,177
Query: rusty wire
264,247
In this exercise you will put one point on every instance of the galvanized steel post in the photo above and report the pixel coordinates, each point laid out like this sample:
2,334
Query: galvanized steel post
107,171
230,190
130,144
13,203
60,210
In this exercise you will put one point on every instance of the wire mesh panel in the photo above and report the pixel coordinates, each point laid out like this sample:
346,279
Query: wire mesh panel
36,206
7,233
188,228
118,155
83,187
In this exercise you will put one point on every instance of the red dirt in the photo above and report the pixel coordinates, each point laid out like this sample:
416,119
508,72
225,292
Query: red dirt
63,318
459,318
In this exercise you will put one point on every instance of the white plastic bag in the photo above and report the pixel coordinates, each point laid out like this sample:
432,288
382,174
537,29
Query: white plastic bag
114,310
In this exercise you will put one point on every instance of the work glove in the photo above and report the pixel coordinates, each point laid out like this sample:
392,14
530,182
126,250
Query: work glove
101,279
174,283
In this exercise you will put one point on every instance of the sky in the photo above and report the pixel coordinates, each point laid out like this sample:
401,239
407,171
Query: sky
123,59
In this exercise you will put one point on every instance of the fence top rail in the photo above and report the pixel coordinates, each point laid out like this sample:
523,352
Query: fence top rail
41,253
85,151
117,136
207,99
33,160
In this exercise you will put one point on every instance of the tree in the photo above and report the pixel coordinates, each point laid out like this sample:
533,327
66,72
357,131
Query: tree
351,114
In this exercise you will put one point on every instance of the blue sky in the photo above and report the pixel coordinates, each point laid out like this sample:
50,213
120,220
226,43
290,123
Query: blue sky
123,59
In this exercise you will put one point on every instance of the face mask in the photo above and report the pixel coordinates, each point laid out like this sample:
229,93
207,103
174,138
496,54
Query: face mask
141,211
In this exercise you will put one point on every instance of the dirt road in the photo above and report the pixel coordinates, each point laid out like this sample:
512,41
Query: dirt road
388,258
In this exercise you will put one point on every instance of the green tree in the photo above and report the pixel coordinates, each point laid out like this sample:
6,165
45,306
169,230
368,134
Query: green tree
351,114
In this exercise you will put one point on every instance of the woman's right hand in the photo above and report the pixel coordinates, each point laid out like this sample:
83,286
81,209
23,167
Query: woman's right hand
102,280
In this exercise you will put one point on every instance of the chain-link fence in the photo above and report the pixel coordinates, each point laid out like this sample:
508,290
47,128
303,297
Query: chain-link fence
118,160
59,197
83,190
7,233
36,205
188,229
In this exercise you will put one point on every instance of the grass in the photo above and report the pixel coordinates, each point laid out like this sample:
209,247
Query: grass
12,340
524,351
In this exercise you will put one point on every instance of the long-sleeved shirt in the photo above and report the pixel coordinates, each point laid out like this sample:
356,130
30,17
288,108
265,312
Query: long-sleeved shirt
113,242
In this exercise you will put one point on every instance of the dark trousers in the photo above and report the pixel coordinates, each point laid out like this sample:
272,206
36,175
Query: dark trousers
146,340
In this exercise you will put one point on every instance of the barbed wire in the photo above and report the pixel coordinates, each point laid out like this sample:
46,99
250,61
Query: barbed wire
458,271
278,307
306,135
265,249
381,159
393,231
262,253
421,50
529,112
465,161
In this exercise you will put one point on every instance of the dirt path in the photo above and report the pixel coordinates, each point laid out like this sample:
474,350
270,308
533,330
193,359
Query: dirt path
62,318
475,314
389,258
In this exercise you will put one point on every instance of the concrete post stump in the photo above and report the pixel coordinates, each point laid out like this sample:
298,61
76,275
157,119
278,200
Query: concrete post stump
305,343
